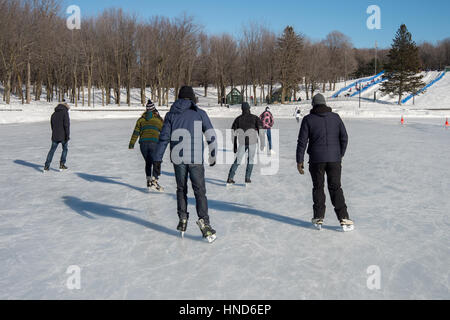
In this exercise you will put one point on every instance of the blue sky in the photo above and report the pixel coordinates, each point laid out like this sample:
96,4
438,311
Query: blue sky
427,20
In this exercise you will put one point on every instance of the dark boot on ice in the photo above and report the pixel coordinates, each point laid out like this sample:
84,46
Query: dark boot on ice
207,231
182,226
230,182
62,167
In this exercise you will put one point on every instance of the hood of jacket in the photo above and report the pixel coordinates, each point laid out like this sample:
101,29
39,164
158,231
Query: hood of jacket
182,105
321,110
61,108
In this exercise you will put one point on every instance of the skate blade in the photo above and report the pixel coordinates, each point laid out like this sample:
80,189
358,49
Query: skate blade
230,185
212,238
318,227
156,190
349,228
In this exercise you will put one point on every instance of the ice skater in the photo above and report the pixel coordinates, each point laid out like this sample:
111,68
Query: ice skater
298,114
60,124
187,147
324,133
247,130
268,122
148,128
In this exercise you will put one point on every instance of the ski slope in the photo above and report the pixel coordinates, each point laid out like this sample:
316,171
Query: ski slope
436,97
427,78
99,217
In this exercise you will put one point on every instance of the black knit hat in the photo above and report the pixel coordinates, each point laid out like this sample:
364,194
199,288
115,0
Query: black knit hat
187,92
150,106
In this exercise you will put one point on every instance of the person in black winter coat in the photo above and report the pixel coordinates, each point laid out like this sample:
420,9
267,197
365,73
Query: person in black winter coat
60,123
326,137
247,131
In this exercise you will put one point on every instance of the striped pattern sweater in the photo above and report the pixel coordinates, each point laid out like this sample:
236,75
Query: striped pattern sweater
148,128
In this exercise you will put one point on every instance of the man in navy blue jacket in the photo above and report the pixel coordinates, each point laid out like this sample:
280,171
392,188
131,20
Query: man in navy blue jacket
184,128
324,133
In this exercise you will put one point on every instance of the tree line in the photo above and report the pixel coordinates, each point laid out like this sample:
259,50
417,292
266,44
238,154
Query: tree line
116,51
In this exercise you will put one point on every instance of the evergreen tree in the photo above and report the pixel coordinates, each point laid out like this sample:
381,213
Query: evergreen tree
289,47
403,66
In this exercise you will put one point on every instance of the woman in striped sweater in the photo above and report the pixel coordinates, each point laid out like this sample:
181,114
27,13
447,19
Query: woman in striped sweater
148,129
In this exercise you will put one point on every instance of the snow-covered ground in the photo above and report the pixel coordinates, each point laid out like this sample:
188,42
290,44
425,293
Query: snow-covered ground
435,103
99,217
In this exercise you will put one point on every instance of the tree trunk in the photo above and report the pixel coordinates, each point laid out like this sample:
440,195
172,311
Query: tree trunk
8,88
38,90
19,88
82,86
283,94
28,86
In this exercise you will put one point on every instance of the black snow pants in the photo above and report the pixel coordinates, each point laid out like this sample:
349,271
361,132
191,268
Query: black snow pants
333,171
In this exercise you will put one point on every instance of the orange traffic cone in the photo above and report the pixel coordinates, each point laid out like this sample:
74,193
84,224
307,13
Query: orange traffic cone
446,123
403,120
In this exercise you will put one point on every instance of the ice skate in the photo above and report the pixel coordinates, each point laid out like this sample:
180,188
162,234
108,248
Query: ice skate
208,232
347,225
46,169
182,227
318,223
155,186
230,182
62,167
248,183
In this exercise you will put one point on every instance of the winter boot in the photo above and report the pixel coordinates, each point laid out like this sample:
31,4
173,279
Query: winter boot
46,169
208,232
62,167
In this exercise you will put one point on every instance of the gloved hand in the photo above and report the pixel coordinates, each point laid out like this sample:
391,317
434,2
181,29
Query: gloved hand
157,167
301,168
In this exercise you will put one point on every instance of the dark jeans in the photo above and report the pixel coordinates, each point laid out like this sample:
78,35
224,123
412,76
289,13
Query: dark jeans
239,158
269,137
197,176
148,150
333,171
51,153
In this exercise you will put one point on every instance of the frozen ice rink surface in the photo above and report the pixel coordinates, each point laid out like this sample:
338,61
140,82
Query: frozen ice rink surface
99,217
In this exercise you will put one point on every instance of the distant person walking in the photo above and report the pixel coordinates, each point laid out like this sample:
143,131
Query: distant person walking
148,129
247,131
184,128
268,122
324,133
298,114
60,124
